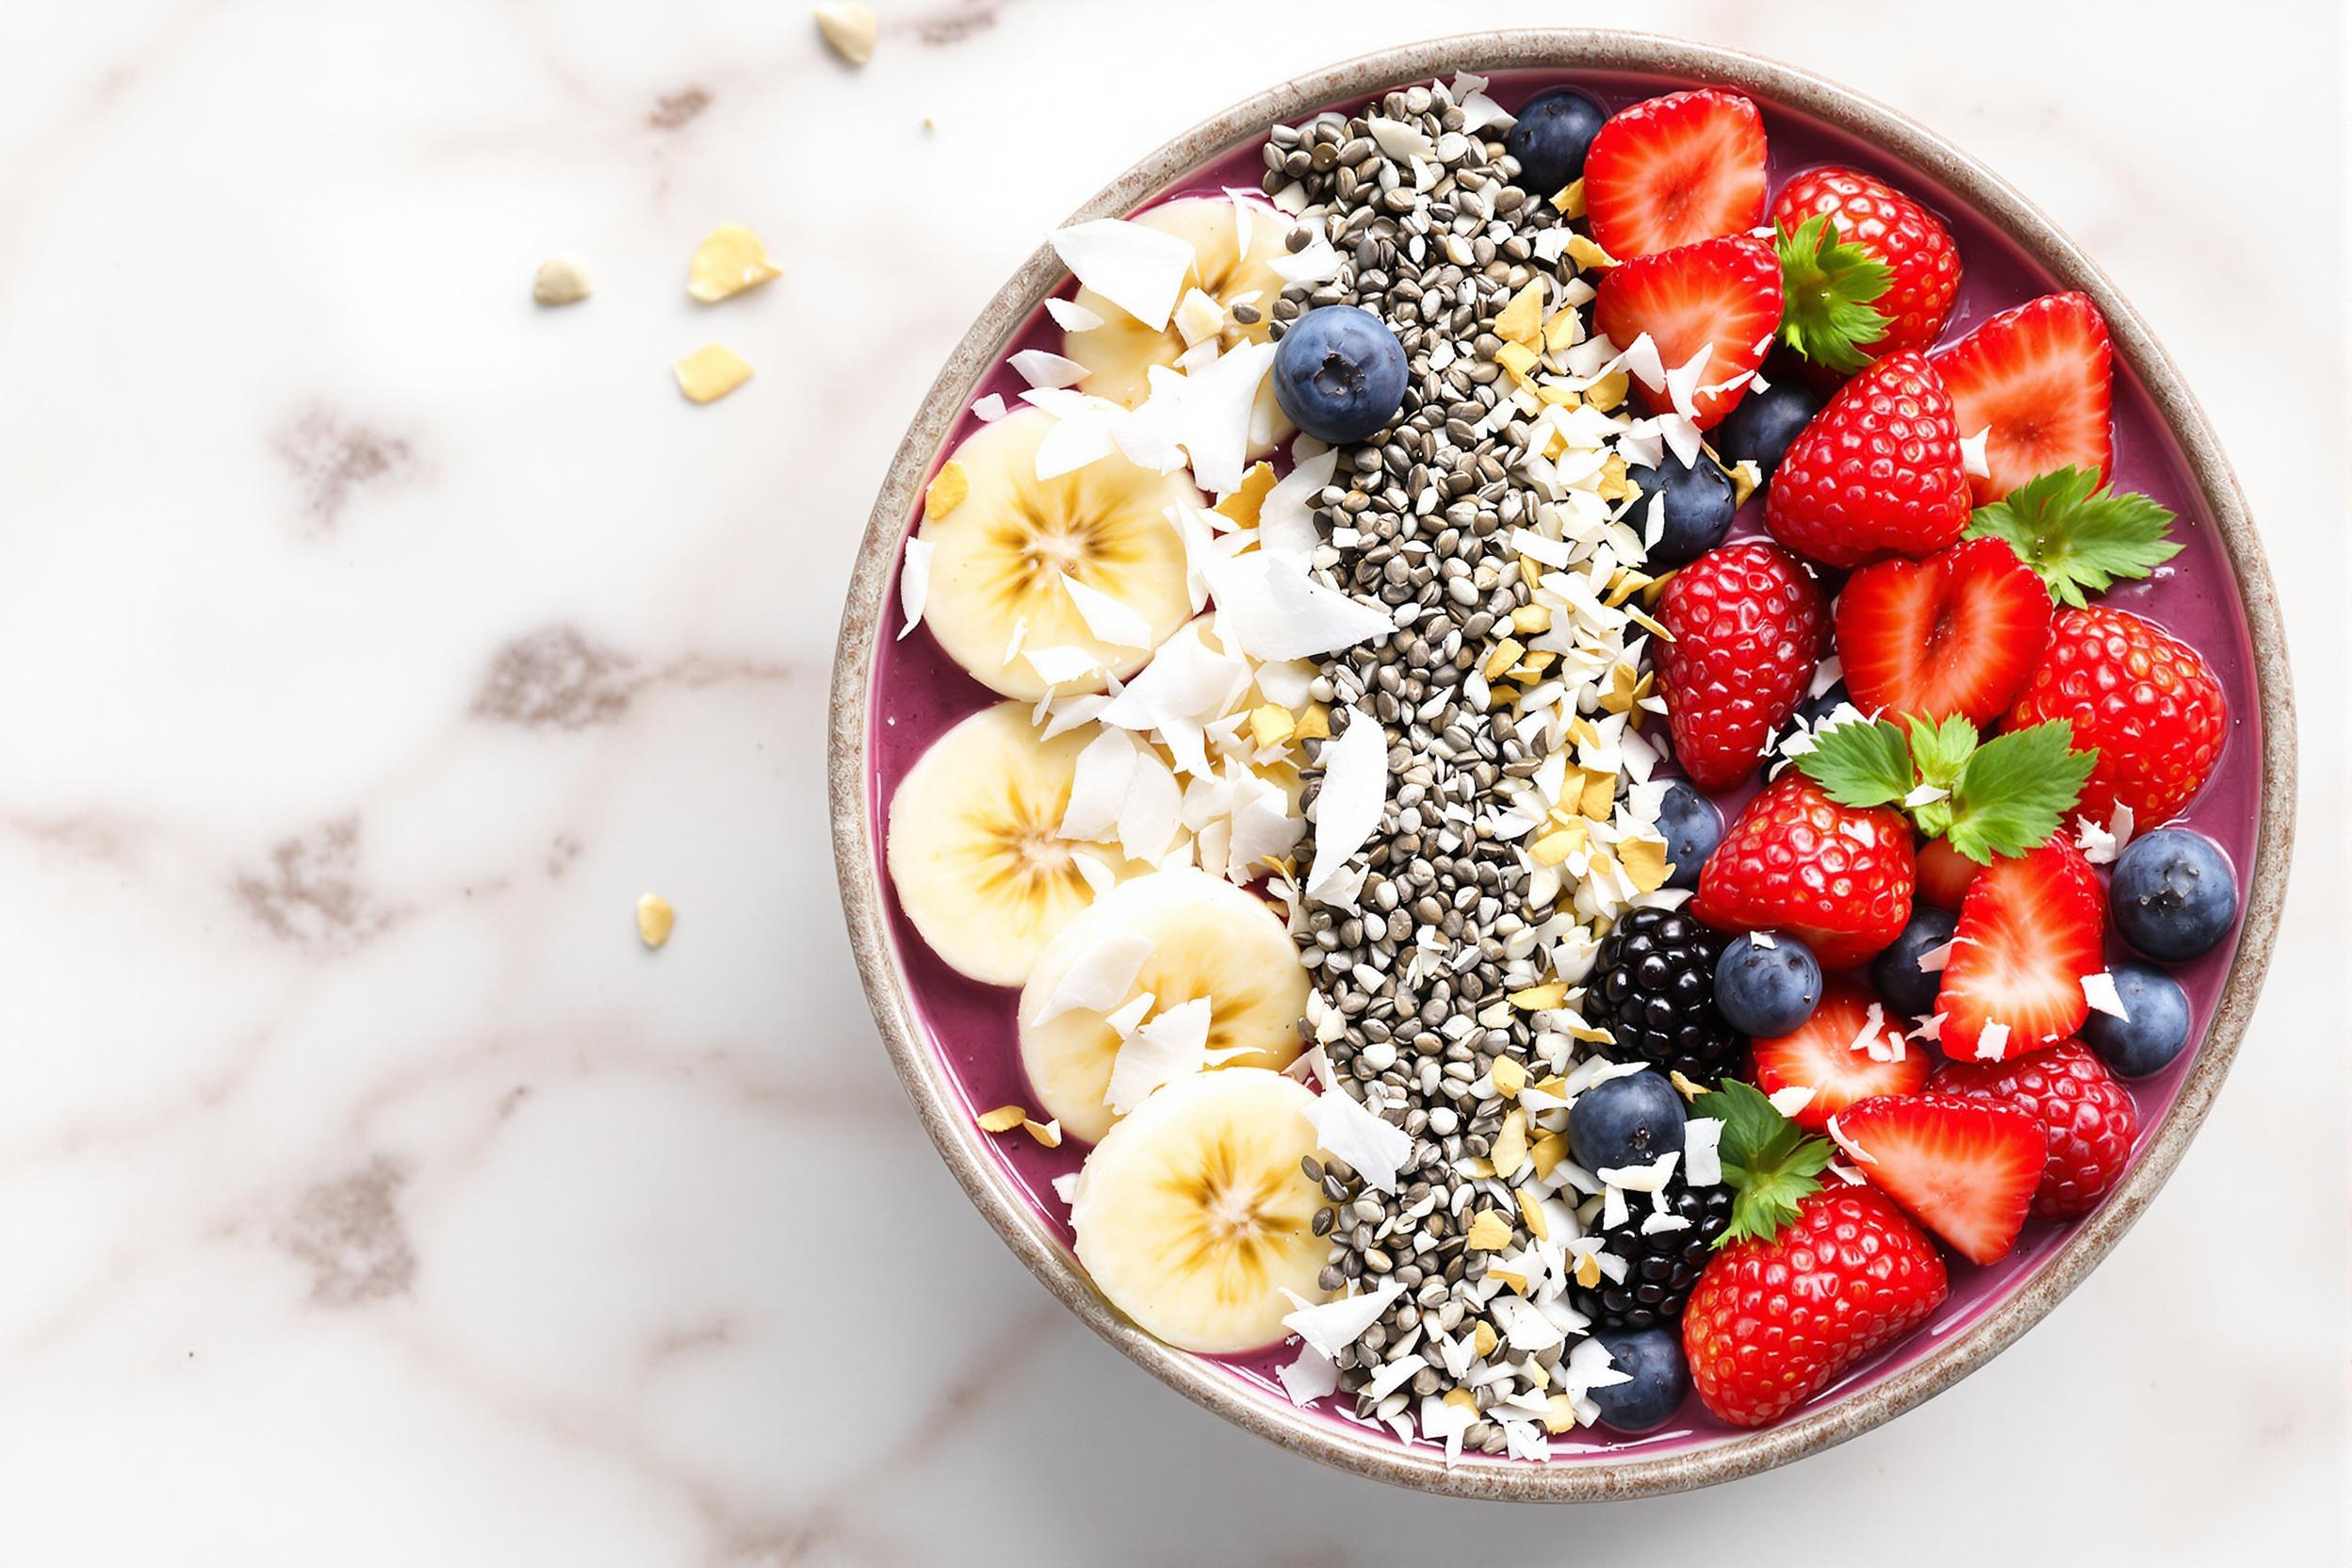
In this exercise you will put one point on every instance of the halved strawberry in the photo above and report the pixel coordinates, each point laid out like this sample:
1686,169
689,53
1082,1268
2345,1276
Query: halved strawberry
1720,296
2041,379
1830,1055
1959,632
1670,171
1944,873
1964,1167
2028,933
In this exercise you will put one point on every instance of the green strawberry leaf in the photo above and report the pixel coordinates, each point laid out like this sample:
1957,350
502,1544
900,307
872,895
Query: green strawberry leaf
1861,764
2017,790
1772,1162
1827,284
2080,536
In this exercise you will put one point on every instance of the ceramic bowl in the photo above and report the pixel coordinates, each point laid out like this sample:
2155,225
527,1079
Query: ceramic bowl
889,698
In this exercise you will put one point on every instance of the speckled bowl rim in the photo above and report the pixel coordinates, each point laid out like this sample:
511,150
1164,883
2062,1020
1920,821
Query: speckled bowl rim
1036,1244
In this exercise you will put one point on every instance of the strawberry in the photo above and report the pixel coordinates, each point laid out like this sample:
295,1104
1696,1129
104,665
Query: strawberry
2028,933
1720,297
1807,1281
1829,1054
1837,877
2086,1119
1908,289
1964,1167
2145,700
1670,171
1958,633
1877,472
2040,378
1747,623
1944,873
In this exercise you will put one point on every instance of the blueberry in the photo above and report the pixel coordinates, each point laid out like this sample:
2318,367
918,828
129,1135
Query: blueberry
1764,990
1554,132
1906,988
1339,374
2172,894
1691,828
1653,1358
1761,425
2154,1029
1698,507
1629,1121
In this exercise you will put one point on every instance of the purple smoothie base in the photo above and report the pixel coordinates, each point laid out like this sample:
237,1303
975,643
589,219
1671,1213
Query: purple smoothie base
919,692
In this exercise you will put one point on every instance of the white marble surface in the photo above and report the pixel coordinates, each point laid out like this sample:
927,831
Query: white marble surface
369,640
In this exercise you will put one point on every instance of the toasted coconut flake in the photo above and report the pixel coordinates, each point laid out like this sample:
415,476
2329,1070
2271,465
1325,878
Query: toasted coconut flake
710,372
1510,1077
1510,1155
1489,1232
729,260
1137,267
1004,1119
655,918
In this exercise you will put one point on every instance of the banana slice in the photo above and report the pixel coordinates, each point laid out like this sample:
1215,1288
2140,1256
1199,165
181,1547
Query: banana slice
973,843
1205,937
1119,354
1194,1215
997,594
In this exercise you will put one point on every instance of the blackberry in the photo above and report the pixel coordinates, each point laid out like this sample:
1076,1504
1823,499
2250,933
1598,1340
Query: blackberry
1653,988
1661,1268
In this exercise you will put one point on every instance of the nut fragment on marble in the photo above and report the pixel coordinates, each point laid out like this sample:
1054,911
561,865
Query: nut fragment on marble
729,260
710,372
561,280
849,28
655,919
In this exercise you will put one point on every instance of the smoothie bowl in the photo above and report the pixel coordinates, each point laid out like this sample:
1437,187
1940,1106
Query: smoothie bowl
1560,765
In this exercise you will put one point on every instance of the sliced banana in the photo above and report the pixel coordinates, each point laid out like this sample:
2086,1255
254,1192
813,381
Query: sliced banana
1118,354
997,595
1205,937
1194,1215
973,847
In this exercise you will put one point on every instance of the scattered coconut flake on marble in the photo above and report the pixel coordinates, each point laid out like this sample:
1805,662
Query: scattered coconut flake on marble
1311,1377
1040,368
1137,267
914,582
1333,1326
1070,315
1377,1148
1992,1042
1108,620
1172,1045
1347,809
2099,991
1099,977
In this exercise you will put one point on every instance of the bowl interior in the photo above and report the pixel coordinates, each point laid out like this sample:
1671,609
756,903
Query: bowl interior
915,693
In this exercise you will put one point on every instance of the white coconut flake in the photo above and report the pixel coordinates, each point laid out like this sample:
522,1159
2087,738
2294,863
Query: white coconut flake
1343,1126
1355,787
989,409
1287,515
1072,317
1099,977
1789,1101
1311,1377
1400,139
914,582
1058,666
1525,1328
1315,263
1334,1325
1154,809
1065,1189
1040,368
1214,416
1702,1158
1137,267
1247,205
2101,846
1171,1046
1649,1177
1992,1042
1973,460
1934,960
2099,991
1108,620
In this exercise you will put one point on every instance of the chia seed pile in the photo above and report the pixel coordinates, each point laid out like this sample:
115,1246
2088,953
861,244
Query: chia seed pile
1415,984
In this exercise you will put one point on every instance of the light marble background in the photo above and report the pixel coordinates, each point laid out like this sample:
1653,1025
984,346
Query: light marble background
369,640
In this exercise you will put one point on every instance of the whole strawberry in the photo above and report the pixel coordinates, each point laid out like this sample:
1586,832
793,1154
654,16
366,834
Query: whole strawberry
1808,1281
1910,291
2145,700
2087,1117
1839,877
1747,623
1878,472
